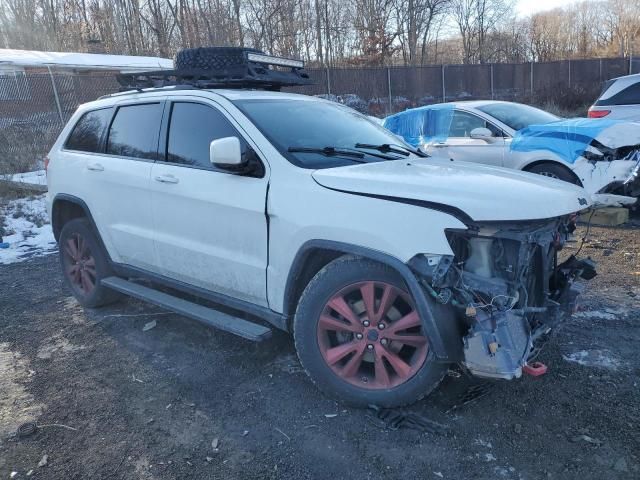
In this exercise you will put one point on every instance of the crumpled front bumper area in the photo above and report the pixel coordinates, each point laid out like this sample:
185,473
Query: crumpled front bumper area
611,183
507,289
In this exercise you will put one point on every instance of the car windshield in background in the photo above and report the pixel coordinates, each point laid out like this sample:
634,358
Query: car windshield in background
518,116
312,134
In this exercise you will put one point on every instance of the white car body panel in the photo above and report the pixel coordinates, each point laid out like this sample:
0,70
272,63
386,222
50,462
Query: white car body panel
468,187
210,237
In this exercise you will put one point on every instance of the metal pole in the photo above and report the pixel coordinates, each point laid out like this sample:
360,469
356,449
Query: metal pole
55,94
600,72
444,91
328,82
630,58
492,81
389,86
569,73
531,80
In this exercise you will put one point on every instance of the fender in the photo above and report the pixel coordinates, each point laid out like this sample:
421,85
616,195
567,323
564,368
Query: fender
429,323
80,203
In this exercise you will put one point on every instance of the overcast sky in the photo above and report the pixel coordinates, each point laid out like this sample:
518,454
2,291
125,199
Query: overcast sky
527,7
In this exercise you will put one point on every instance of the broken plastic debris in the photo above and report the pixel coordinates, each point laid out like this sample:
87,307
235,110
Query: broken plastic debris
43,461
330,415
586,438
149,326
214,444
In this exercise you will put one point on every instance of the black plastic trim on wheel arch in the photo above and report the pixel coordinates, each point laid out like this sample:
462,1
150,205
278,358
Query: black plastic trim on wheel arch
81,203
428,320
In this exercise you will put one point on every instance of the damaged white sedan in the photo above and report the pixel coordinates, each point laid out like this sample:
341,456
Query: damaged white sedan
603,156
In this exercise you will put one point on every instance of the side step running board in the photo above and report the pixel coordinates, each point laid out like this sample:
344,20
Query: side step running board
208,316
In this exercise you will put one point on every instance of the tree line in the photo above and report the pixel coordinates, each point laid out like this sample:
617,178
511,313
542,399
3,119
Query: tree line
328,32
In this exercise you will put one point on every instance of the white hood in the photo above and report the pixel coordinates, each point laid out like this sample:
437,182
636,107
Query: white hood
484,193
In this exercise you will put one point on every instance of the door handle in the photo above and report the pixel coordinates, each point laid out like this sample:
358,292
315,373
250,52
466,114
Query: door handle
95,167
166,179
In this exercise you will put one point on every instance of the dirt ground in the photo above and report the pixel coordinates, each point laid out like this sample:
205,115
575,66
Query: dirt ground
183,401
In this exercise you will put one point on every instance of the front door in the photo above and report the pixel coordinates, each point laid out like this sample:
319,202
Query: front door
460,146
211,227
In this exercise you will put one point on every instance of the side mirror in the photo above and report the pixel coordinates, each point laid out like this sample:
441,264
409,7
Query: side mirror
225,152
482,133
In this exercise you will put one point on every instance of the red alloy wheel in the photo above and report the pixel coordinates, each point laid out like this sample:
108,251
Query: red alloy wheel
80,266
370,335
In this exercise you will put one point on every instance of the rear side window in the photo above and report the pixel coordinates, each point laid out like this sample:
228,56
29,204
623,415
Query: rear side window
628,96
192,128
134,131
86,136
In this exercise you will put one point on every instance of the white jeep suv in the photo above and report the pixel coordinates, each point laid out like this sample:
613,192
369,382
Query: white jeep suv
301,214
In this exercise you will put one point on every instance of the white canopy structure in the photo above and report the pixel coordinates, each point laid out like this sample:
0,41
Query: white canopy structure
21,59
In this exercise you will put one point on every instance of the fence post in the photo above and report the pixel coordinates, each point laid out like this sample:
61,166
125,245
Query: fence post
444,92
531,80
600,71
492,81
55,94
389,87
328,82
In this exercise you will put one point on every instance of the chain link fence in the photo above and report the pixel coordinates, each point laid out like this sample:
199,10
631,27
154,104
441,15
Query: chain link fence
34,107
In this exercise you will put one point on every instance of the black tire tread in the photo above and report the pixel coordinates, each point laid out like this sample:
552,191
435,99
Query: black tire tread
211,58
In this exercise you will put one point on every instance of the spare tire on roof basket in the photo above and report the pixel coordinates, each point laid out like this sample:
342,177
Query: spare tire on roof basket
212,58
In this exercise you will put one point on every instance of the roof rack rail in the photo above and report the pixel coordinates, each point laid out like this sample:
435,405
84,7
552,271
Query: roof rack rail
225,67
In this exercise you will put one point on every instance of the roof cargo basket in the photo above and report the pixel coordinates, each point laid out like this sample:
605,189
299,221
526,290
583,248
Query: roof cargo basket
222,67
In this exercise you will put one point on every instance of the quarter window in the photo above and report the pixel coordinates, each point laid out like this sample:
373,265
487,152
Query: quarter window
134,131
192,128
628,96
87,134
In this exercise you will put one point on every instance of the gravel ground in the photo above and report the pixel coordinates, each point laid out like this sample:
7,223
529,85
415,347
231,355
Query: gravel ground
183,401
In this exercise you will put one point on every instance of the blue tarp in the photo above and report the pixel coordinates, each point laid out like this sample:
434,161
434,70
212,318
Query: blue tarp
566,138
422,125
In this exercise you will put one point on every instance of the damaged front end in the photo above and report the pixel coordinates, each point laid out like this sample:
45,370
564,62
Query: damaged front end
507,289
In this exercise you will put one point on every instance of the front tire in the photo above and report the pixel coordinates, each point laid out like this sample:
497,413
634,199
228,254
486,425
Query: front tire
359,336
84,264
552,170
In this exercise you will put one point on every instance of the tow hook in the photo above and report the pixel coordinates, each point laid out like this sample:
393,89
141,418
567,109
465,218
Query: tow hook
535,369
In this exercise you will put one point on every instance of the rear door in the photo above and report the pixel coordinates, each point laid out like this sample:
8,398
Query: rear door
211,227
460,146
118,182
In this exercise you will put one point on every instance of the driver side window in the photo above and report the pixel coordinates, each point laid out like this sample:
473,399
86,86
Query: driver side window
462,123
192,127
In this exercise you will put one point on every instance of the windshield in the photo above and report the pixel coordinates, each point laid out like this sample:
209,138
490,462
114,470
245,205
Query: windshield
518,116
312,134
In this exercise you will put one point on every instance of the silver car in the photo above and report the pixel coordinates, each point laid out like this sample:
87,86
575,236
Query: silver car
603,156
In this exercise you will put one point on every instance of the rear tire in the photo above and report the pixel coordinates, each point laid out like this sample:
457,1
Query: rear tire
84,264
383,367
554,170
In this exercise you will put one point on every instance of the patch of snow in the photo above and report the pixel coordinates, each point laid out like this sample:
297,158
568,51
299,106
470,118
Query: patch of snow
593,358
26,230
37,177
